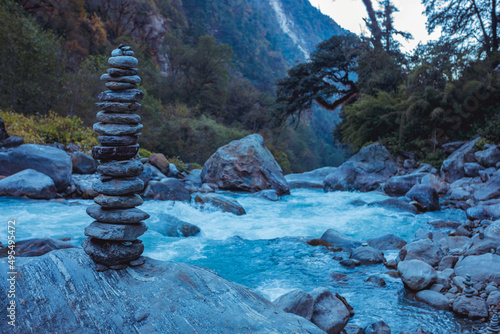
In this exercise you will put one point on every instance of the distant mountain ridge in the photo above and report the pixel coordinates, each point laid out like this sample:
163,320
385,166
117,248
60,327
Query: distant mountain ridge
267,36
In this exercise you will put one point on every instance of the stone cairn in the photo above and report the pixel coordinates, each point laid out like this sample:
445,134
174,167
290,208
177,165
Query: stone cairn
112,239
494,326
468,290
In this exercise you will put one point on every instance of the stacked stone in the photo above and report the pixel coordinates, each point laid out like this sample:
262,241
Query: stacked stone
468,290
112,239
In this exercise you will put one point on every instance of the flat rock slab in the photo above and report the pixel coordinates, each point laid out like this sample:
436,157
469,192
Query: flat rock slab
128,95
118,72
120,153
116,216
157,297
120,85
125,78
117,129
121,168
118,140
119,187
112,253
119,107
129,232
124,62
36,247
119,202
106,117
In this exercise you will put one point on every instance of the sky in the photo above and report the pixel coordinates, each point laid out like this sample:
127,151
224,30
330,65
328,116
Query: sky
349,15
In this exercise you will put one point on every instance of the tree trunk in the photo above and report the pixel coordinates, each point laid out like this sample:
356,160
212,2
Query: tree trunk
494,25
373,26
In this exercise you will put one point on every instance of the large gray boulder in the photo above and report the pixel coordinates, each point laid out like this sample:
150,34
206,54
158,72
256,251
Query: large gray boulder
29,183
453,167
312,179
386,241
400,185
426,196
489,157
297,302
157,297
424,249
48,160
365,171
330,313
490,189
481,212
416,275
247,165
481,268
367,255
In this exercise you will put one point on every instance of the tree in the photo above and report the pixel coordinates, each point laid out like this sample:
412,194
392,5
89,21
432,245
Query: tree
472,20
327,78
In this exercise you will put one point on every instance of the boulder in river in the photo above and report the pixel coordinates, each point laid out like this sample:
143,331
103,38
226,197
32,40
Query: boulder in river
330,313
29,183
386,241
168,189
247,165
171,226
157,297
424,249
367,255
426,196
401,184
434,299
297,302
312,179
378,327
48,160
338,239
365,171
416,275
224,203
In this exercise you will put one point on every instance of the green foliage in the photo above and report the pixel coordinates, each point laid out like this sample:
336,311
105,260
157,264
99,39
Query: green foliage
480,144
31,62
49,129
143,153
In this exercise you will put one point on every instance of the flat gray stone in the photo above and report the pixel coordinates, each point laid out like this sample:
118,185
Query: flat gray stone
106,117
118,140
368,255
128,168
128,95
113,85
111,253
168,189
224,203
120,72
119,107
115,152
128,79
117,129
116,216
472,308
117,232
125,62
119,202
338,239
119,187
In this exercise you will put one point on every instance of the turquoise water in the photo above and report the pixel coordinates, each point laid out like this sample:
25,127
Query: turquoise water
265,249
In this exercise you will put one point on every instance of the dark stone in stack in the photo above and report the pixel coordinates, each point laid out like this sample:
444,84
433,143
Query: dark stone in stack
112,237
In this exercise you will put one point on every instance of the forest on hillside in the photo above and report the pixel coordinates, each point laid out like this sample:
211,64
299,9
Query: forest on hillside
200,92
446,90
